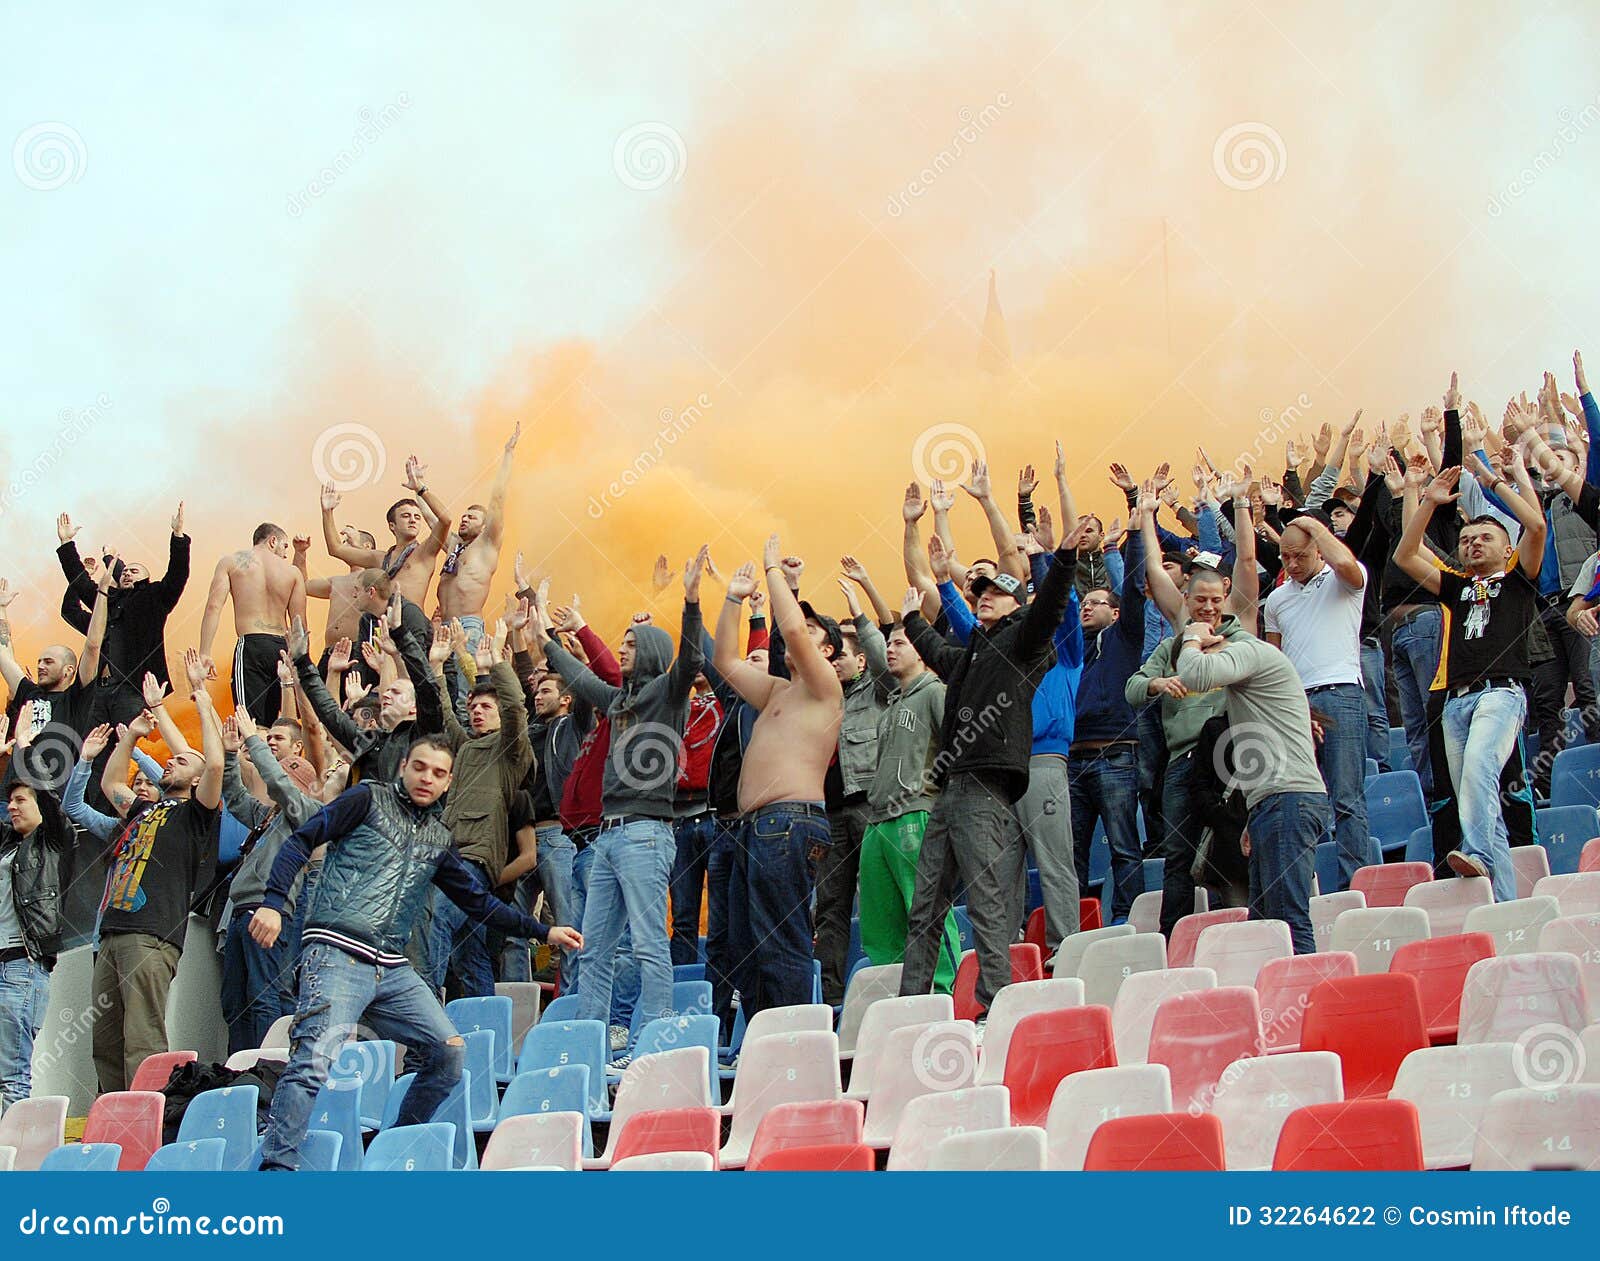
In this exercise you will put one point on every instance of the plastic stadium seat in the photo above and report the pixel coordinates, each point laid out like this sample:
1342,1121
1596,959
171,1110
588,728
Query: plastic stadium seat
1069,958
930,1119
1284,987
1198,1035
1399,749
1236,952
156,1071
1514,925
454,1109
1049,1046
277,1035
1089,914
1440,965
1010,1005
244,1061
550,1044
668,1130
548,1092
1186,932
688,971
667,1162
1374,934
1451,1087
1579,936
830,1158
1448,902
1575,778
1144,916
370,1064
484,1102
412,1149
562,1008
83,1158
1372,1022
492,1012
1017,1149
1532,864
1589,859
1553,1128
1395,808
967,938
816,1123
547,1139
673,1033
1134,1012
1026,965
1575,894
1326,909
1564,828
130,1118
196,1155
320,1152
1034,932
800,1018
689,998
1381,1135
783,1068
1419,845
664,1081
1506,998
526,997
397,1098
1107,964
1162,1142
34,1127
1255,1096
866,987
228,1113
1085,1100
882,1018
918,1060
337,1108
1387,883
8,1159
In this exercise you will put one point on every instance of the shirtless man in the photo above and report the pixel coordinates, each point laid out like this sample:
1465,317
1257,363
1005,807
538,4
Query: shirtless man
783,820
410,560
267,592
342,592
473,554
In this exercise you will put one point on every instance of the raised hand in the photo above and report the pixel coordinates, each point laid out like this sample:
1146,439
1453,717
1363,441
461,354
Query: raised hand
911,603
1027,480
978,484
853,569
1442,489
850,598
416,474
1452,396
395,616
483,654
793,567
104,578
339,658
1350,426
912,507
511,442
570,619
1162,478
758,601
1400,432
65,530
232,741
177,519
1321,443
7,593
372,651
1044,529
439,648
941,499
286,675
1060,469
661,574
693,568
1432,420
94,744
302,543
742,585
1119,475
1148,503
938,559
139,728
771,554
519,572
1394,476
1577,372
331,498
298,642
1271,492
194,669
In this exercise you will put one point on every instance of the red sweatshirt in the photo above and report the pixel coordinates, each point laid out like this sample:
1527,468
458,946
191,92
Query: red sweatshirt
580,799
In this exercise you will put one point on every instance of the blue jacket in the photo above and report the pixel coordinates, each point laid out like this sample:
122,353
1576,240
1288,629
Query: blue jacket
1110,657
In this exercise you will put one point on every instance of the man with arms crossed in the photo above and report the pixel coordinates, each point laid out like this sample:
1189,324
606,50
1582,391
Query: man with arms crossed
267,592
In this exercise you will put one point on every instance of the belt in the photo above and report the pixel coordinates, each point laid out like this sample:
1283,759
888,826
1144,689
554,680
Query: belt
1324,687
13,954
1099,748
1414,613
622,820
790,807
1483,685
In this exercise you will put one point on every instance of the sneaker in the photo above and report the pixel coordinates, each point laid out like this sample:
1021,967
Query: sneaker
1466,865
619,1037
620,1064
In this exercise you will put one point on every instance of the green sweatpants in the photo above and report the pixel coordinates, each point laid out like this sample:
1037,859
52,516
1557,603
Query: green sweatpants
889,853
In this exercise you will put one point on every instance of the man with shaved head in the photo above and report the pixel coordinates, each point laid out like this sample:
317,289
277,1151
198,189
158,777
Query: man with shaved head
267,591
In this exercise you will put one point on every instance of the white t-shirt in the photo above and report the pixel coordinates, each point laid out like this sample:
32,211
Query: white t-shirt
1586,576
1320,622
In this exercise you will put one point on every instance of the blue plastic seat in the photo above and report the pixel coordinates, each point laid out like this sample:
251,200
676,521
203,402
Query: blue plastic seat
855,954
1395,808
1373,768
1399,750
492,1012
1419,845
337,1108
1575,777
1035,889
1155,873
82,1158
322,1151
550,1045
964,928
559,1009
672,1033
1576,735
1099,871
563,1089
1563,830
483,1101
397,1098
371,1064
412,1149
1328,867
816,981
688,972
689,998
197,1155
453,1110
228,1113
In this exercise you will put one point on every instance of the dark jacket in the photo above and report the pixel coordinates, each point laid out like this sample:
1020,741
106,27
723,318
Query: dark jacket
136,618
41,870
290,810
1110,657
488,771
988,711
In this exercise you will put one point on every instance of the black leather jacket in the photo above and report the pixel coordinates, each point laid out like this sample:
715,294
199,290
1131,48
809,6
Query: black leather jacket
39,873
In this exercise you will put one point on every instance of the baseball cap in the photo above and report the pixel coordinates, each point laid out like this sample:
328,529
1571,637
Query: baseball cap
1004,582
829,627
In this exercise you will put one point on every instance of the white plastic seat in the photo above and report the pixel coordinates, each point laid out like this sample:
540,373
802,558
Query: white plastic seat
244,1061
1144,916
1589,1039
780,1068
918,1060
1134,1012
1111,961
526,998
1284,987
35,1127
8,1159
679,1078
1578,935
1503,999
277,1035
1256,1095
1575,894
1236,952
1011,1004
881,1019
1016,1149
1327,907
1084,1100
1541,1129
866,987
1448,902
1531,864
1513,925
1374,933
666,1162
1069,959
1452,1087
929,1119
798,1018
536,1140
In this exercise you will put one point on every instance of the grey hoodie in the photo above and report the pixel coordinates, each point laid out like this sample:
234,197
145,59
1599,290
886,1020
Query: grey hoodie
647,714
293,808
908,747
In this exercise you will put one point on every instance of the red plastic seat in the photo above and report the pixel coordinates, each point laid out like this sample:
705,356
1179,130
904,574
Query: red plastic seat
1089,914
1440,966
131,1118
1034,933
1589,860
1198,1034
1186,933
1376,1135
671,1130
826,1158
813,1123
1161,1142
1048,1046
156,1070
1284,987
1385,884
1372,1021
1027,964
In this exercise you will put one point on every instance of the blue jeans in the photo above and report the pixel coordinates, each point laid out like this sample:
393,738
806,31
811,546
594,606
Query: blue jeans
337,991
1284,830
1342,759
719,958
625,980
1416,660
24,994
1104,787
627,891
773,876
1374,682
1181,829
1480,731
289,977
461,948
693,839
553,874
253,981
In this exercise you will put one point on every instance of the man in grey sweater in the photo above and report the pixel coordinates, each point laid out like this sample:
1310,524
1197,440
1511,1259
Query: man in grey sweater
1274,763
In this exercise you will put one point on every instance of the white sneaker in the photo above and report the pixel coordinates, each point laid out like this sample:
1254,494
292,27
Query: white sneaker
1467,865
619,1037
